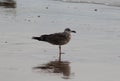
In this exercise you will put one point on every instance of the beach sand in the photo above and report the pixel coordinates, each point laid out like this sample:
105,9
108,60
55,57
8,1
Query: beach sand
93,53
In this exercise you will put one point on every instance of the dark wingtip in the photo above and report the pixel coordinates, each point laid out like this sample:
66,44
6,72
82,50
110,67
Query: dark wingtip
33,37
37,38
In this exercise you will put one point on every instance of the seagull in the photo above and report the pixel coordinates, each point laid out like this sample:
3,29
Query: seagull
60,38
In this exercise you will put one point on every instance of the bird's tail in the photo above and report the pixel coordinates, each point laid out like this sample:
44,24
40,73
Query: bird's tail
41,38
37,38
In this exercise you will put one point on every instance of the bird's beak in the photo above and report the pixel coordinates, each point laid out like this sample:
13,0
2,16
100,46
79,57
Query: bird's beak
73,31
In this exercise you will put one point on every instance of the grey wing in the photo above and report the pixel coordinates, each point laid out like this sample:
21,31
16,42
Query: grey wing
57,38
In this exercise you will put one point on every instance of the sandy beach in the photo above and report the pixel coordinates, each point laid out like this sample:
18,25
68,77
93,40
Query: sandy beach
93,54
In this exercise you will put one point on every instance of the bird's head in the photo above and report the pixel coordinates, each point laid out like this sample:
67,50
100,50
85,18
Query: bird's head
69,30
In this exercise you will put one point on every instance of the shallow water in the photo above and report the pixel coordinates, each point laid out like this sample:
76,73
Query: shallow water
93,51
100,2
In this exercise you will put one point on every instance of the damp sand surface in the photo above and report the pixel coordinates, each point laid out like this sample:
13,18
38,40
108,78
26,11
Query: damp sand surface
93,54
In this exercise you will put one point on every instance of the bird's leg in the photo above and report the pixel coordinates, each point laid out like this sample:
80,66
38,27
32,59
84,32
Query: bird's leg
59,53
60,50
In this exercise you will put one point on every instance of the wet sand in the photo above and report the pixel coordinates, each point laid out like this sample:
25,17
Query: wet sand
91,55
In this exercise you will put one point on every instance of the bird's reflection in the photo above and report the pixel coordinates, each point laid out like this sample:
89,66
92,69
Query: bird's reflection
62,67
